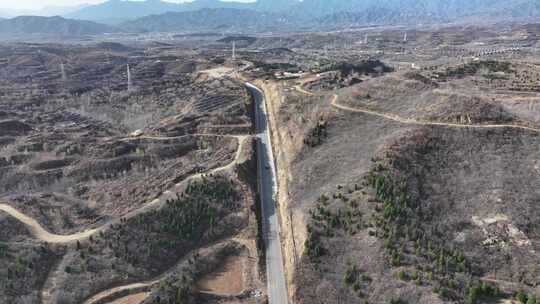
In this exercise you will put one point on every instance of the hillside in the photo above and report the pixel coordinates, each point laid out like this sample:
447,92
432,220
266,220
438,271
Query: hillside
377,15
332,12
445,9
413,185
47,11
51,25
116,11
527,9
223,19
139,183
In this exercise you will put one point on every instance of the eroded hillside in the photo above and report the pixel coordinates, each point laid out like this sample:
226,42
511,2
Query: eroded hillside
416,184
127,174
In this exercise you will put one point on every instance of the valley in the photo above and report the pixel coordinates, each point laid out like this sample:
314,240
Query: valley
381,164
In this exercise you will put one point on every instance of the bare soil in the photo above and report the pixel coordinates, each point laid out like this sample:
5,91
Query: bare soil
228,280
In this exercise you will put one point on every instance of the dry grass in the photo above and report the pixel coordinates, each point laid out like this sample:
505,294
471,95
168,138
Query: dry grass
227,280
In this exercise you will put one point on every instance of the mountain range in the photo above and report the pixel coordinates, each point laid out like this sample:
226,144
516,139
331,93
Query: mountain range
116,11
222,19
57,26
159,16
47,11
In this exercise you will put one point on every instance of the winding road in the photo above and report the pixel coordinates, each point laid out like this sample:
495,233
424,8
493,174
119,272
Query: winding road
266,171
102,295
277,291
42,234
409,121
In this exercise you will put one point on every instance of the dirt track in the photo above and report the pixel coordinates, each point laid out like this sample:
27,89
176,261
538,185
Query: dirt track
402,120
109,292
409,121
43,235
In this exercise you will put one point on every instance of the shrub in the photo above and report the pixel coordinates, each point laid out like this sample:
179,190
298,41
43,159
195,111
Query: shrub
351,275
521,297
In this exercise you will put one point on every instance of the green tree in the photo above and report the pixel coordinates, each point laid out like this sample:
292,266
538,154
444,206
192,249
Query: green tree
521,297
402,275
472,296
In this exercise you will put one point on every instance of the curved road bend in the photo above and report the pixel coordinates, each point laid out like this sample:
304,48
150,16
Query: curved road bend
275,274
42,234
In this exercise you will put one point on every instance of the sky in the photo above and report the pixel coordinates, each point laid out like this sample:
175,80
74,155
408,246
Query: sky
38,4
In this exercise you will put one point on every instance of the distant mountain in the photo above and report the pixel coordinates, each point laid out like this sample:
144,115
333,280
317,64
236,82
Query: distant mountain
51,25
116,11
223,19
50,11
527,10
447,9
47,11
278,6
376,16
275,6
331,11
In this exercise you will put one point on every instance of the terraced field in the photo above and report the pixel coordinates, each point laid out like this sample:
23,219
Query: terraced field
107,187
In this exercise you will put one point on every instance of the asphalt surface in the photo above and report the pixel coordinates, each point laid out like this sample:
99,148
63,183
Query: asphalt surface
277,290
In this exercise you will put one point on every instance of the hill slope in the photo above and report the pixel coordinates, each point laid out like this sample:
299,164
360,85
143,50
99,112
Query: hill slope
377,15
406,206
114,11
335,12
221,18
450,9
117,10
51,25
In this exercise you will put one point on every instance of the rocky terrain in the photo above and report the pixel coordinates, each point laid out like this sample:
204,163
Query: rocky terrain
407,165
126,172
414,183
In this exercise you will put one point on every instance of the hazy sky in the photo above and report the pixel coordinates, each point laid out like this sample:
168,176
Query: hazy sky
38,4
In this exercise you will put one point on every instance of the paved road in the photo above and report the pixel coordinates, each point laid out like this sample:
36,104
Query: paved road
277,291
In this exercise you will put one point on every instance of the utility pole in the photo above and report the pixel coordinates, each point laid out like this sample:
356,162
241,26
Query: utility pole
129,85
234,50
63,72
